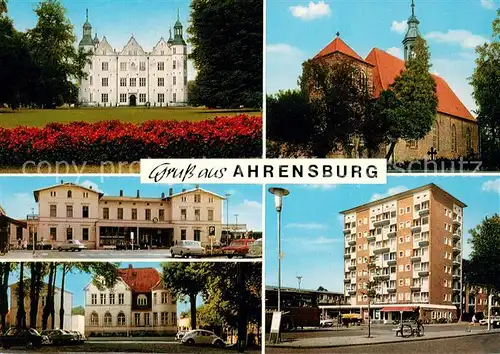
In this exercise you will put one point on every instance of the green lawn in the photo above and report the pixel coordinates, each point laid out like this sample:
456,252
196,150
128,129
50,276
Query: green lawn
40,117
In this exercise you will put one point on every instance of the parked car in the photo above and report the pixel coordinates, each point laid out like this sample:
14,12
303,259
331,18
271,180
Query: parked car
180,335
187,248
484,321
237,248
255,249
58,336
326,323
80,338
72,245
25,337
202,336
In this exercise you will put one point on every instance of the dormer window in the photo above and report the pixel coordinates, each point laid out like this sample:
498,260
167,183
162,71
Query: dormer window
142,300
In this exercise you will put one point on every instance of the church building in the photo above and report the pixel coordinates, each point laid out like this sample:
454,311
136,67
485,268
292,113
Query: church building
455,131
132,76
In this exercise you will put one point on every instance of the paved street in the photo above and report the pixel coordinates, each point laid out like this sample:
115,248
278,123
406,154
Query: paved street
127,346
108,255
472,344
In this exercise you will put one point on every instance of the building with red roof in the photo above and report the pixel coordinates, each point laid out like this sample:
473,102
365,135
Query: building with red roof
138,303
455,132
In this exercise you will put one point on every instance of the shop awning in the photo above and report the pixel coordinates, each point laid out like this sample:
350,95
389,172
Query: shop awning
398,309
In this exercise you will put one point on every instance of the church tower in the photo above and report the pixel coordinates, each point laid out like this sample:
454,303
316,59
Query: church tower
412,33
179,60
87,43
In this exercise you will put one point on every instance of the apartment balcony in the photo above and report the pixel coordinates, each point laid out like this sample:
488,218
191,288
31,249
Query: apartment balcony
382,250
456,276
392,234
381,277
456,302
347,256
347,231
32,217
423,212
456,235
352,267
456,263
352,243
423,243
415,288
391,290
381,223
347,280
457,249
416,258
371,238
457,221
391,262
456,288
416,228
423,273
352,292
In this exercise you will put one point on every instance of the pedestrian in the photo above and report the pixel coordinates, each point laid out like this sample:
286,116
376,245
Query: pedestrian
19,244
473,322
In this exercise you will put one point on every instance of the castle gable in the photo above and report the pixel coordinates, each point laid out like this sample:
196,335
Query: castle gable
161,46
132,48
104,48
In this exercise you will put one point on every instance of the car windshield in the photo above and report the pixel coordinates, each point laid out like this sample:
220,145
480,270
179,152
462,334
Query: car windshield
33,331
191,243
237,243
75,242
11,332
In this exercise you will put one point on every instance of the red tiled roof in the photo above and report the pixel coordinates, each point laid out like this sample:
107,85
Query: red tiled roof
140,280
338,46
388,67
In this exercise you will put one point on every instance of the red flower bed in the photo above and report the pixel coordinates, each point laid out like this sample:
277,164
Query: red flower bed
94,143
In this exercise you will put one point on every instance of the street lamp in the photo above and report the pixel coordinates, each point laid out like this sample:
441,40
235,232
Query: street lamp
236,225
279,193
227,195
299,279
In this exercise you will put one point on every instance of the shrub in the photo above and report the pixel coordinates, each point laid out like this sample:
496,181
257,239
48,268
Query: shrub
93,143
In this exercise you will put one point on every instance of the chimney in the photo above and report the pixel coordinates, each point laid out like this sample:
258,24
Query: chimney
130,266
162,195
170,191
197,186
62,182
183,190
121,192
138,195
90,187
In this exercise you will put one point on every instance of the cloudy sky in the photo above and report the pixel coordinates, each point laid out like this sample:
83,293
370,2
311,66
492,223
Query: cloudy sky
297,30
148,20
312,229
16,194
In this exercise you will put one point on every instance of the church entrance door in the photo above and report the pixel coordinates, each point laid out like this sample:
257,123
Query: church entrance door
133,100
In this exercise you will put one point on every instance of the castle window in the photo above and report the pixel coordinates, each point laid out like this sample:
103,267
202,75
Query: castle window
104,97
142,81
453,138
142,98
142,300
123,66
91,81
174,51
161,66
105,66
162,52
173,64
104,82
161,97
174,80
133,82
174,97
142,66
161,81
123,82
123,97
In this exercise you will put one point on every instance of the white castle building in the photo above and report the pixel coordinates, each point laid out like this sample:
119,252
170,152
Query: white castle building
133,76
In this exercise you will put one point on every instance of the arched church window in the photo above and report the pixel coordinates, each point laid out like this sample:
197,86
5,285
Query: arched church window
453,138
435,136
363,80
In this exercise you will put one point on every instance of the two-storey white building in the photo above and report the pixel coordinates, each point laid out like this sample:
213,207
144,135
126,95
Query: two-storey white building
138,302
132,76
71,212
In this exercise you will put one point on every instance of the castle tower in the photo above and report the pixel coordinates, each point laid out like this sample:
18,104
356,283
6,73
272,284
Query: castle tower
412,33
87,44
179,56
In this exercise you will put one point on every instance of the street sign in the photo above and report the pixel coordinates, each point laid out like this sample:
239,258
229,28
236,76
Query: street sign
275,327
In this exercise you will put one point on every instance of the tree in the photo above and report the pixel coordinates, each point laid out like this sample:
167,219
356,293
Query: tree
5,271
371,288
485,82
409,110
485,256
289,117
227,44
78,310
185,279
340,99
21,311
48,309
52,43
3,7
37,273
322,289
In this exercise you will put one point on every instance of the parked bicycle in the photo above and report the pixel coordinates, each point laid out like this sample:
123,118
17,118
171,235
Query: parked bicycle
407,330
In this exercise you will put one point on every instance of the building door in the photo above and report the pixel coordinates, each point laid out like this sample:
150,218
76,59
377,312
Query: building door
133,100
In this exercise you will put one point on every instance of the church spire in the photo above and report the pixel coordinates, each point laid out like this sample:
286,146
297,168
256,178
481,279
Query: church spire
412,33
87,32
178,39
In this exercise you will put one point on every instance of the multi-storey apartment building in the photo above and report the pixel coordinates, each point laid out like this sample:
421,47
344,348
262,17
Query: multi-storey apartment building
411,245
71,212
138,302
68,306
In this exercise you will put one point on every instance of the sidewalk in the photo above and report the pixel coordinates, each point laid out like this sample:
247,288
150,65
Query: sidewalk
377,338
